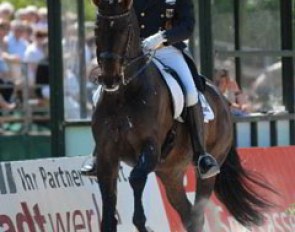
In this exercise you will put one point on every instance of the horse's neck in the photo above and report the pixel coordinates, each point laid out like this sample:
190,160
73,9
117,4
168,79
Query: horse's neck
137,59
141,81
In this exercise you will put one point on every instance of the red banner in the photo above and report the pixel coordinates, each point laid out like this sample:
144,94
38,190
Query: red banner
276,165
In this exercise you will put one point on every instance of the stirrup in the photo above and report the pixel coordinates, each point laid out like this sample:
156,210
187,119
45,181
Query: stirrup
89,168
212,171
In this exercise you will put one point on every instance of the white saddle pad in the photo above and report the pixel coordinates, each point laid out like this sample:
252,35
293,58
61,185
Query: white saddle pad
175,90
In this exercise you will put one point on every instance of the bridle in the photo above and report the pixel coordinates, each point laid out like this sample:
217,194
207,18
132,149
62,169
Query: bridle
127,61
112,19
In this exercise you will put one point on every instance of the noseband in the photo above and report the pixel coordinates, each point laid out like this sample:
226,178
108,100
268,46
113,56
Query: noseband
127,61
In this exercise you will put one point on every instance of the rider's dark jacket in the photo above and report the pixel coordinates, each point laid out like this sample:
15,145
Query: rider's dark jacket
177,19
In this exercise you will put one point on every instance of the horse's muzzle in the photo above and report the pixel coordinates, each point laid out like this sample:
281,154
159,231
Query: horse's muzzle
110,83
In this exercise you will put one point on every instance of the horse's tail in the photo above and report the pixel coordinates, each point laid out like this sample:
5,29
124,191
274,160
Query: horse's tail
234,188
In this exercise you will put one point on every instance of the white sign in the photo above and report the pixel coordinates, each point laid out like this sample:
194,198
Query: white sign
51,195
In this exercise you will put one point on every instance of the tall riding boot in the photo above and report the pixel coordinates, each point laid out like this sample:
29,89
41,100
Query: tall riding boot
206,163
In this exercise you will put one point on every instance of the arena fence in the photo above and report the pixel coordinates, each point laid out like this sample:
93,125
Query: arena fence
256,131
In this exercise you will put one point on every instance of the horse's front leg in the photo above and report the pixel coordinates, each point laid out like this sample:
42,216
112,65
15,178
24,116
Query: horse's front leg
107,179
138,177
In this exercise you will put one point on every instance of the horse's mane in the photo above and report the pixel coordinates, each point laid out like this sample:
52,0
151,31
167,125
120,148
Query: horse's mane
135,37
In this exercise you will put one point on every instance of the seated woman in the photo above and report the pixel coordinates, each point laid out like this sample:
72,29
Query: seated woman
237,99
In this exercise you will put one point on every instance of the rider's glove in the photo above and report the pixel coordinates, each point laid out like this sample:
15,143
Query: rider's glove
154,41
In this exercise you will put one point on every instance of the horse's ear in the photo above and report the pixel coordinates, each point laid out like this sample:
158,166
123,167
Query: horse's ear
96,2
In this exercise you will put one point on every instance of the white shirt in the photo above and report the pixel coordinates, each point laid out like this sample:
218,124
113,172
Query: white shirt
33,55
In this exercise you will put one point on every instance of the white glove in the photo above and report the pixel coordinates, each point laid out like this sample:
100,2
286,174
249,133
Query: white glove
154,41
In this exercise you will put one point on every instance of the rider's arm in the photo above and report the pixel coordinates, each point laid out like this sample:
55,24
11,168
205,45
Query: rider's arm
183,22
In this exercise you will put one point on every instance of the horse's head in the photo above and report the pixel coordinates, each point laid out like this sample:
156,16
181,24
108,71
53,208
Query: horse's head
112,39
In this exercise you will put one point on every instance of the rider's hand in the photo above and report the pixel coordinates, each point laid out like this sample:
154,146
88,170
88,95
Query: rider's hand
154,41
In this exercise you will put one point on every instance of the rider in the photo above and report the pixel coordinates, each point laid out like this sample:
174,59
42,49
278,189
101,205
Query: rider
164,25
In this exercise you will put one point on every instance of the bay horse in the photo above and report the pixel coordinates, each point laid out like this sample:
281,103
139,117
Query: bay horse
133,122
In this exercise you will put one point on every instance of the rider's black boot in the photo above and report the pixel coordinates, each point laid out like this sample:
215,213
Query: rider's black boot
206,163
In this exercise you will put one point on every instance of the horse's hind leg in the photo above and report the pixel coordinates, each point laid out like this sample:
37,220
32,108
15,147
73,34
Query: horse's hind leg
204,190
146,164
173,183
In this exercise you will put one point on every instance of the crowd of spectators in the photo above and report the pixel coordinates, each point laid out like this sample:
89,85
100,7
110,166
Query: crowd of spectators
23,40
24,59
23,33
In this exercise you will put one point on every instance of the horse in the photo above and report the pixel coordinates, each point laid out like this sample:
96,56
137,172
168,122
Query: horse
133,122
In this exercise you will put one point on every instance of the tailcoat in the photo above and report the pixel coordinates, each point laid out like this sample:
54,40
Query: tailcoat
176,17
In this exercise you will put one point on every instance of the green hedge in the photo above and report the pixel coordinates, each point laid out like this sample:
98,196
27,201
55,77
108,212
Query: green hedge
23,147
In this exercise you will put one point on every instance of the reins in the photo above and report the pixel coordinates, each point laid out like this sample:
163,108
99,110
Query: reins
150,56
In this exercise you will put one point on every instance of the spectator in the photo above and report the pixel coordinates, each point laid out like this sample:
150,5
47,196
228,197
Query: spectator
35,53
7,87
28,32
71,51
230,89
32,14
16,44
43,20
42,77
21,15
6,10
16,47
71,98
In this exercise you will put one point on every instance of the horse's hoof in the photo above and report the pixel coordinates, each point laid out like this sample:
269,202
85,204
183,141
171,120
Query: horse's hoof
147,229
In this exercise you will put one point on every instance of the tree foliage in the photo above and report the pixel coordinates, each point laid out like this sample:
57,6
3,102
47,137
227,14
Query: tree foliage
89,7
23,3
89,10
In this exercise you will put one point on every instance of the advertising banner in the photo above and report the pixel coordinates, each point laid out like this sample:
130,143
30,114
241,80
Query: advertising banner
50,195
276,165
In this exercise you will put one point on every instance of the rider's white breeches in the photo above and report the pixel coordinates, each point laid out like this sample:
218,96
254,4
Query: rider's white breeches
173,58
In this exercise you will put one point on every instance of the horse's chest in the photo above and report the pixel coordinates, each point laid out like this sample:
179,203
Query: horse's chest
118,127
126,123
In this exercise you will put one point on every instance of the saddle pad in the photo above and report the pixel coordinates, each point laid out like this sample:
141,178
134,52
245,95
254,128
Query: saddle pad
174,88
